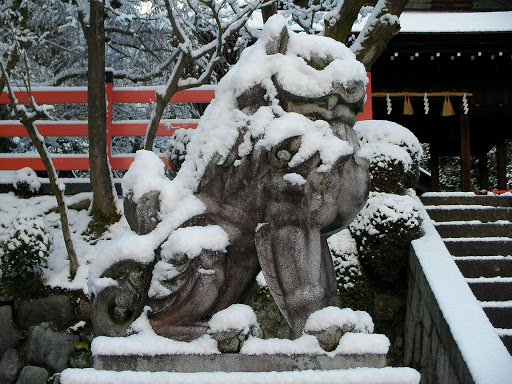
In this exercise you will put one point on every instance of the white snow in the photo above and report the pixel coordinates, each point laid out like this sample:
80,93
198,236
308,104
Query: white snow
352,343
151,345
347,376
28,176
483,239
77,326
485,355
487,280
504,332
146,174
102,283
448,194
260,279
423,22
496,304
236,316
360,343
306,344
191,241
294,178
483,257
322,319
458,207
382,131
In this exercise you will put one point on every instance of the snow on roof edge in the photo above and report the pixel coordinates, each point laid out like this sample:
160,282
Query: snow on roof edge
483,351
450,22
432,22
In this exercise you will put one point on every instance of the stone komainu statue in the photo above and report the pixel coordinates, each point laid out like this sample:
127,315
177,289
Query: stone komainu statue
271,171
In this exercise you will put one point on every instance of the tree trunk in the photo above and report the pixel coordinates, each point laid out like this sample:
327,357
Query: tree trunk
342,27
103,204
378,31
268,11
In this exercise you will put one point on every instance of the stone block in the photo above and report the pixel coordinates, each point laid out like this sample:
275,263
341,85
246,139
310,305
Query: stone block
33,375
49,347
57,309
417,344
142,216
9,334
235,362
328,338
426,320
10,366
425,348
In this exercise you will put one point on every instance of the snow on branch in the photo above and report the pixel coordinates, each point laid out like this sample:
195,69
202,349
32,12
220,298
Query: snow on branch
201,30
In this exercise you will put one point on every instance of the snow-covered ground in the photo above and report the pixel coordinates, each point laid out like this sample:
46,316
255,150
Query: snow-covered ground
56,273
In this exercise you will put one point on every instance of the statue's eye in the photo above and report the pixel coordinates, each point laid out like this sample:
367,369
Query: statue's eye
283,155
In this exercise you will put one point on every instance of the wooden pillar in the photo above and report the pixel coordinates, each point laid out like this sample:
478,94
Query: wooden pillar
434,168
483,171
465,153
501,164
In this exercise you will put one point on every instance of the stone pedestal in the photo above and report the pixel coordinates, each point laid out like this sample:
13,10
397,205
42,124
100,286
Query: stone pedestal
235,362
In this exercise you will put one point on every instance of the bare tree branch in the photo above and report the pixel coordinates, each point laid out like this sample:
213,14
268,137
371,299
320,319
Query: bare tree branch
188,54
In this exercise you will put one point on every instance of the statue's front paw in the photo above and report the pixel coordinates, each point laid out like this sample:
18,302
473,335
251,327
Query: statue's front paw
117,298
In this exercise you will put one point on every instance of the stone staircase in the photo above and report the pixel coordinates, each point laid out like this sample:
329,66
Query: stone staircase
477,231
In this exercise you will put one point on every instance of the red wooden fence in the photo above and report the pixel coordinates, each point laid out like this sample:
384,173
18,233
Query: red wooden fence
75,95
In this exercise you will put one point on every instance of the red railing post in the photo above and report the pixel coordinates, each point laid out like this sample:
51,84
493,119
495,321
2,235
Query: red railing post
109,84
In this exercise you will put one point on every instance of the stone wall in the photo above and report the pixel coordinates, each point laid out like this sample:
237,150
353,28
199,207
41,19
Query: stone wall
429,344
38,340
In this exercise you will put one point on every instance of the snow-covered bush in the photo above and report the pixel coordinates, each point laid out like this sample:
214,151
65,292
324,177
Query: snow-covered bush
352,283
26,183
394,165
383,230
390,167
24,246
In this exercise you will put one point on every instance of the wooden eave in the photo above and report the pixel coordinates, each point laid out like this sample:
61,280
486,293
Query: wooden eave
476,63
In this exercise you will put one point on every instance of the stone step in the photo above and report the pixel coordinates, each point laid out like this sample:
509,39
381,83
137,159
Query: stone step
467,199
474,229
499,316
403,375
468,213
491,289
485,266
500,246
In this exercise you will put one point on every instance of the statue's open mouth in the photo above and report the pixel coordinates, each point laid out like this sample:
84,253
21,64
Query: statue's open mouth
343,103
